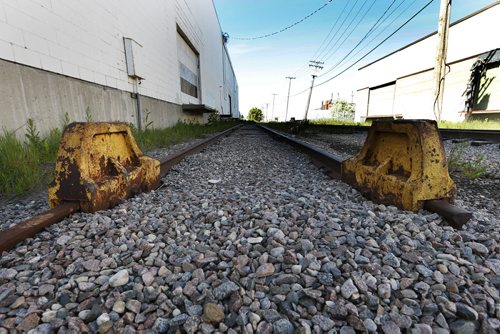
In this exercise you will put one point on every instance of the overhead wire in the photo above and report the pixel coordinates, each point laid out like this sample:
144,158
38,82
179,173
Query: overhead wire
285,28
336,32
301,69
336,46
372,28
371,50
330,32
350,33
384,29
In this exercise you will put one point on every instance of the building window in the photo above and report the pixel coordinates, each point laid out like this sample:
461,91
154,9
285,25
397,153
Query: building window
189,81
189,67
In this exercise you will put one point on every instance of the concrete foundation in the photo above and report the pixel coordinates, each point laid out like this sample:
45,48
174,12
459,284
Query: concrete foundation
50,99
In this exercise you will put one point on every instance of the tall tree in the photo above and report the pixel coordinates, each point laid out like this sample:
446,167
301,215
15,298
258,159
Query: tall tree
255,114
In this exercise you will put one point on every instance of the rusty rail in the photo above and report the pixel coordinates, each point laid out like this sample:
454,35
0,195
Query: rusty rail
454,215
10,237
489,135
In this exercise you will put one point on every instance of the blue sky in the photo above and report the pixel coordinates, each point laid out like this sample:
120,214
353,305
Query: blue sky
261,65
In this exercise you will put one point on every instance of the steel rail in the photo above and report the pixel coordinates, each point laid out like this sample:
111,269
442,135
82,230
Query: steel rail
489,135
10,237
332,164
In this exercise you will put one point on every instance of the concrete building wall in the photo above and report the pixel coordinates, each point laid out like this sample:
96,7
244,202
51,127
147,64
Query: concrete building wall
230,93
81,44
412,68
362,102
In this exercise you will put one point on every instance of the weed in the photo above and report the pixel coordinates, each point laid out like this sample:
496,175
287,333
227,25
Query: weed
33,135
475,169
66,120
88,115
470,169
214,117
149,124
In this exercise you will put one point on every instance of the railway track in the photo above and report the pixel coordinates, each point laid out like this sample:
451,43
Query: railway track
249,235
484,135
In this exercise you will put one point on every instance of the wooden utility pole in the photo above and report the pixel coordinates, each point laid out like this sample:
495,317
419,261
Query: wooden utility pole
309,98
442,48
288,97
317,66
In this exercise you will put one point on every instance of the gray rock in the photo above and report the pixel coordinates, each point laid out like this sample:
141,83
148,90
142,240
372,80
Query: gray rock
466,312
463,327
178,320
282,326
390,328
161,325
370,325
42,329
63,240
384,290
119,279
224,290
323,322
7,273
133,305
423,270
347,330
348,289
391,260
306,245
421,329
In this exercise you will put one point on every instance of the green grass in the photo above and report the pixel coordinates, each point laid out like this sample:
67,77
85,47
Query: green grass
161,138
28,165
331,121
471,125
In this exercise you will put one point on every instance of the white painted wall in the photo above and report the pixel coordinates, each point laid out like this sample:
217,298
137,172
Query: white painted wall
84,40
413,97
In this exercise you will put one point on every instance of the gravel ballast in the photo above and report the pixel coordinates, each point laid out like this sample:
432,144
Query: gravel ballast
250,236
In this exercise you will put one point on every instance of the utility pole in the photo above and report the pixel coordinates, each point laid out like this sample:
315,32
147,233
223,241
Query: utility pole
440,67
267,107
288,97
317,65
309,98
272,111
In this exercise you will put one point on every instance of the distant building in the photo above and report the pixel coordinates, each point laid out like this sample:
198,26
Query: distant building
114,60
401,84
339,109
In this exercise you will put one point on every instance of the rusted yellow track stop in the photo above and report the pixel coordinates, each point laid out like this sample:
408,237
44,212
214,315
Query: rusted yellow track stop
402,163
100,164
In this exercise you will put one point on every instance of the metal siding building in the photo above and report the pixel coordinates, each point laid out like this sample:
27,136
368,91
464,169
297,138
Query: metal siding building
67,57
401,83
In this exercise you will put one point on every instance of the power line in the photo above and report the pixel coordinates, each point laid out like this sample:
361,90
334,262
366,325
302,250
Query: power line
361,40
337,46
373,49
379,44
385,28
336,32
285,28
302,68
330,32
